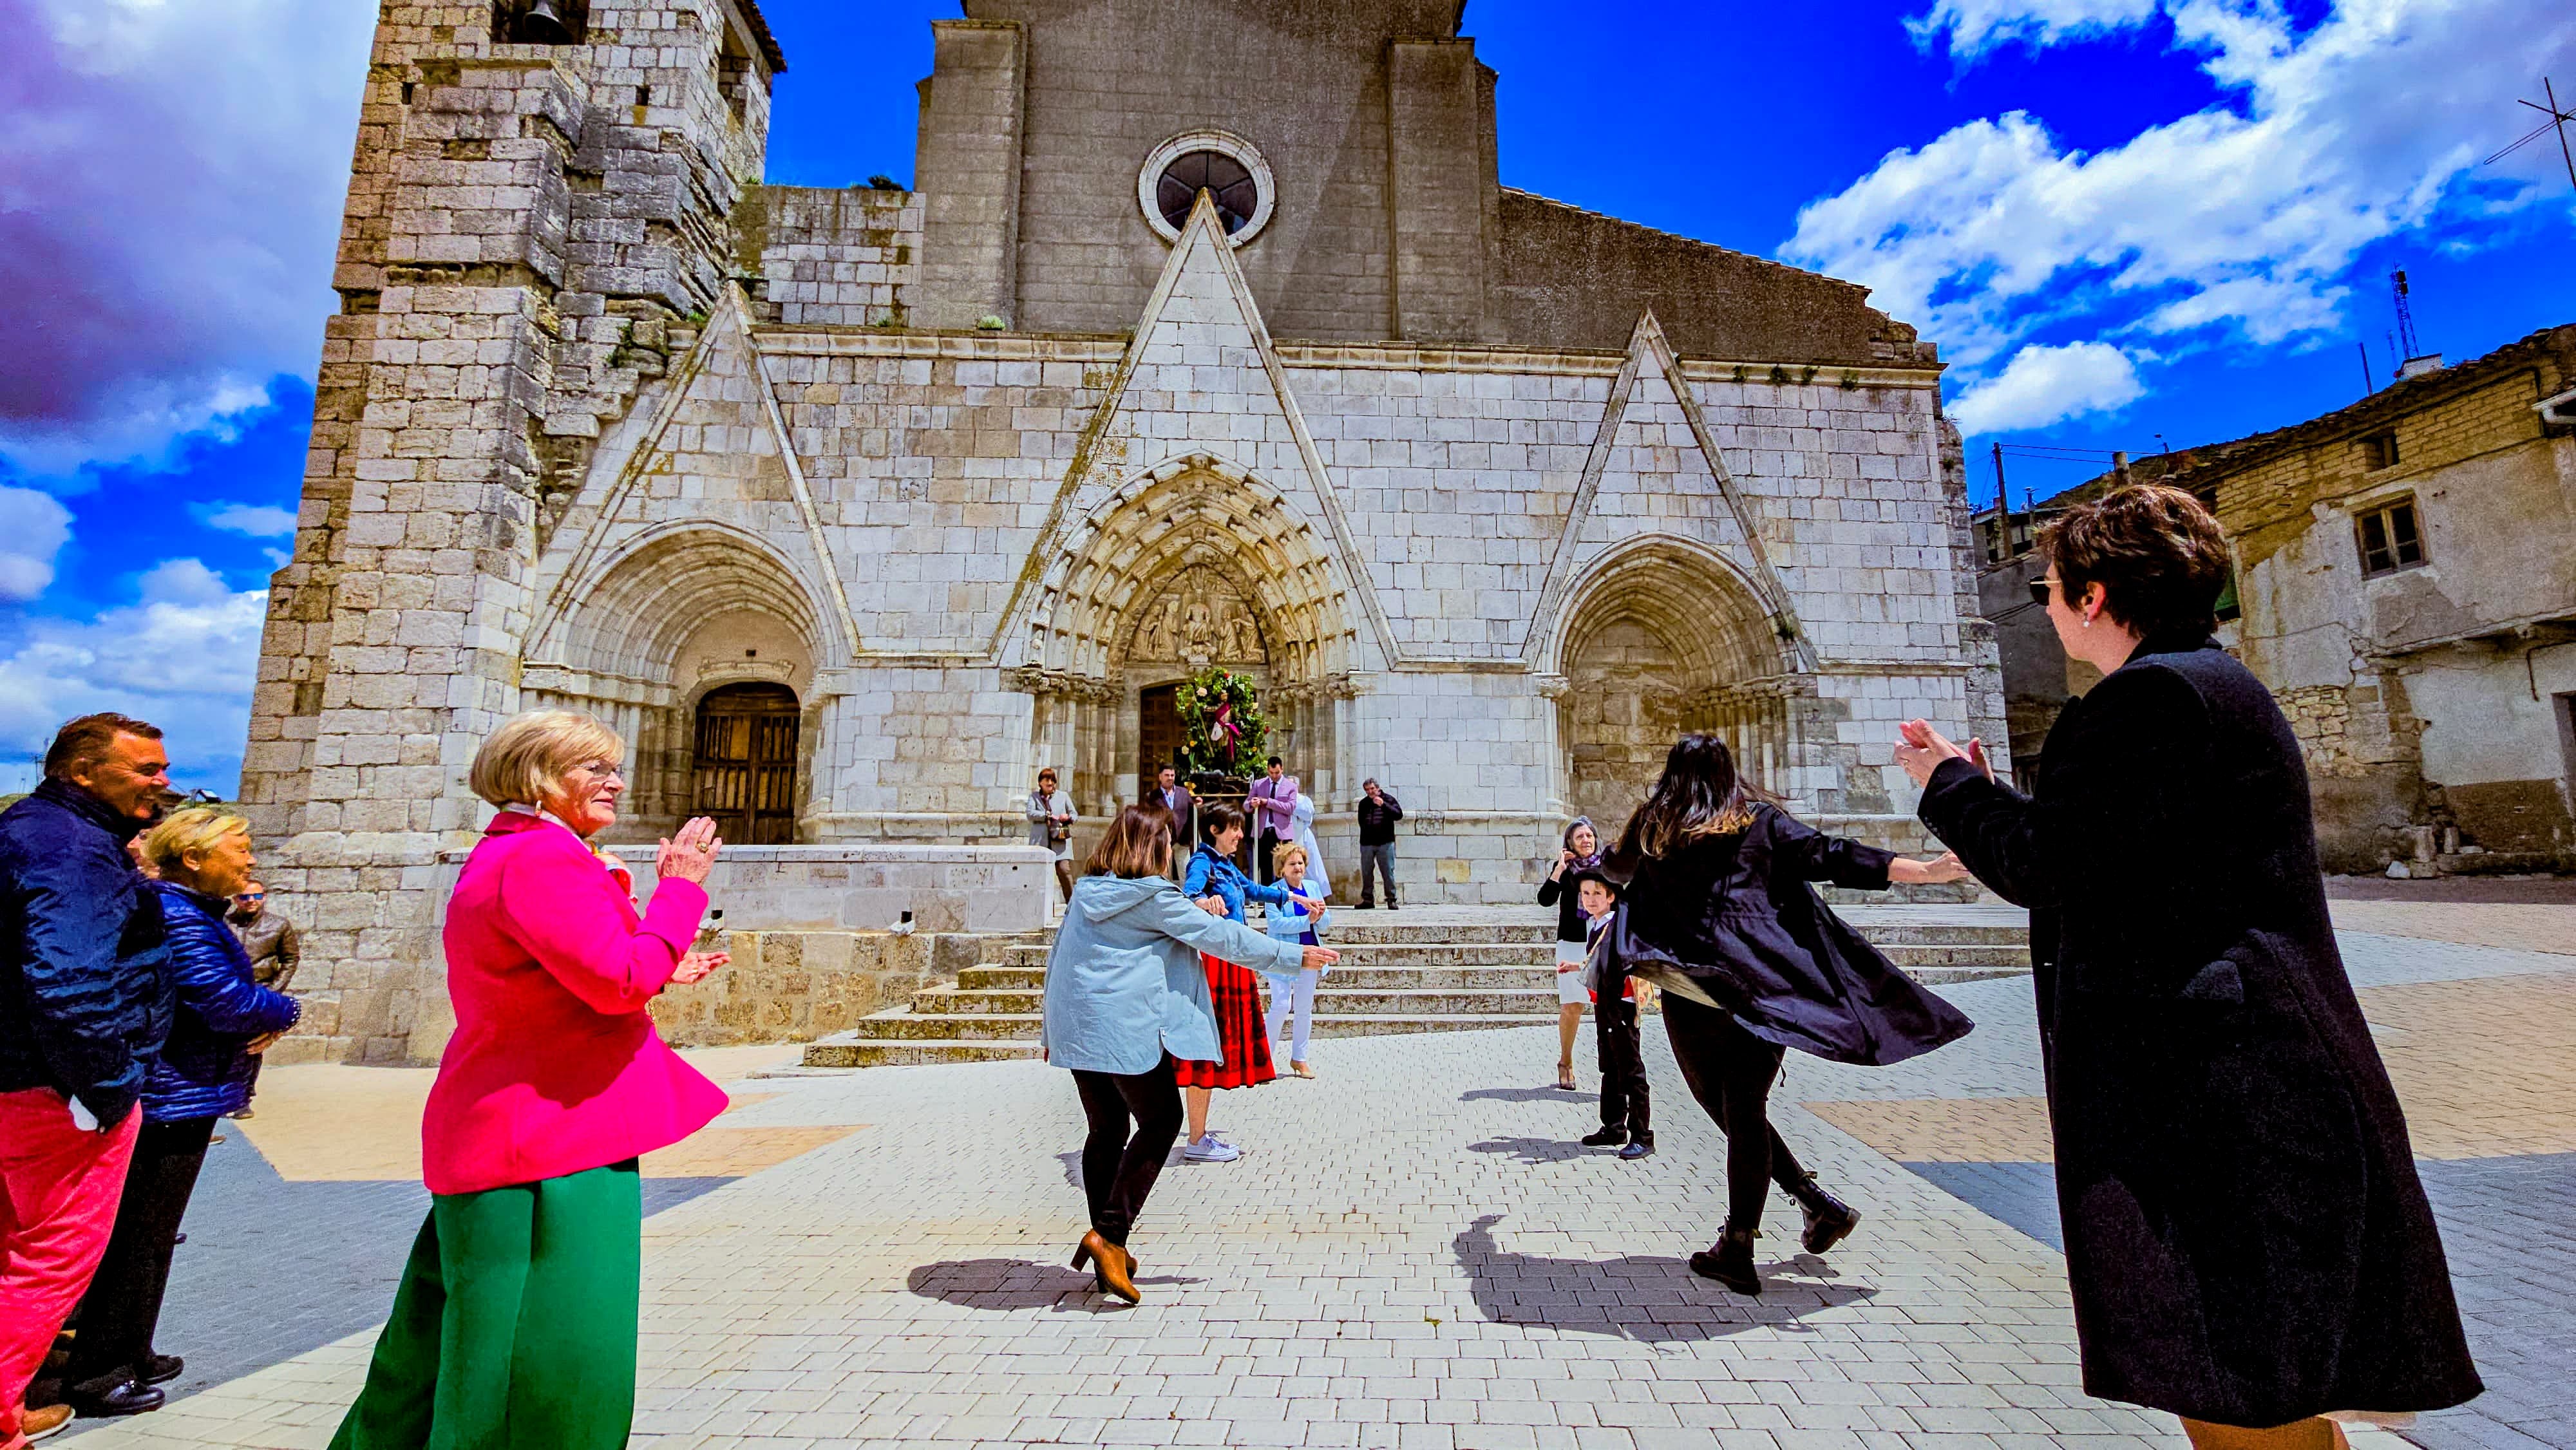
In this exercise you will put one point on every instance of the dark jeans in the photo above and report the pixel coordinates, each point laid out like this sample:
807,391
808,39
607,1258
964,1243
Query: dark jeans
1381,859
1118,1171
1731,1071
1623,1068
124,1301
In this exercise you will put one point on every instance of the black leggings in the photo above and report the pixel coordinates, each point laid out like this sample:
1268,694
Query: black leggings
1731,1071
1118,1171
123,1305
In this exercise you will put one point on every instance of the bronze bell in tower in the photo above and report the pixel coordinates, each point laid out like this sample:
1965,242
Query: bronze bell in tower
542,24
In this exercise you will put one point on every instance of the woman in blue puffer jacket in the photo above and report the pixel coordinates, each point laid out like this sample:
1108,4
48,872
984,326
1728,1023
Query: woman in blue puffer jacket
202,856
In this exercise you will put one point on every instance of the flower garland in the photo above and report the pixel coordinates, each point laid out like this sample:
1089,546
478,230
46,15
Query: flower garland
1221,712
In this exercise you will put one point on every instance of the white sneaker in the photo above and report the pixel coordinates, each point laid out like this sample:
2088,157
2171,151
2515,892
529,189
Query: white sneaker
1211,1150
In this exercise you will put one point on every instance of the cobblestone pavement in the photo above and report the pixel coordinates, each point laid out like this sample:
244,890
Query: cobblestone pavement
1413,1252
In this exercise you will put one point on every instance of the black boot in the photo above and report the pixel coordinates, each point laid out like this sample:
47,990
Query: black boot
1829,1219
1730,1262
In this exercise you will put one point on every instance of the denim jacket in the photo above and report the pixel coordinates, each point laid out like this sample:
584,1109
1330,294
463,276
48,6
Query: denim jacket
1290,923
1212,875
1124,983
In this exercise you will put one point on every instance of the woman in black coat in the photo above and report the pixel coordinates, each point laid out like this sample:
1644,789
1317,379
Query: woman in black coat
1719,913
2246,1241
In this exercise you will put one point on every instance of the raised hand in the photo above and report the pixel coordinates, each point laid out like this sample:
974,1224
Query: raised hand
690,853
1922,749
1977,758
698,966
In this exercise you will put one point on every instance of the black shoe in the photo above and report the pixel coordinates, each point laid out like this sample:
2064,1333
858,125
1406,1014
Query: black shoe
1829,1219
1605,1138
125,1397
1365,906
1730,1262
1638,1149
160,1369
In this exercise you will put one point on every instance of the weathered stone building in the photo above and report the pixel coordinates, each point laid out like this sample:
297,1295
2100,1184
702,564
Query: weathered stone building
2406,576
1206,333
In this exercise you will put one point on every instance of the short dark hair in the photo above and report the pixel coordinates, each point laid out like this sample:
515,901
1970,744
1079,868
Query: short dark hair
1596,875
1218,817
84,742
2156,552
1138,843
1048,771
1372,780
1171,770
1275,760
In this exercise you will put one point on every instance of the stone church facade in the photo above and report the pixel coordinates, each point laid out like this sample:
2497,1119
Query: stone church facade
1206,333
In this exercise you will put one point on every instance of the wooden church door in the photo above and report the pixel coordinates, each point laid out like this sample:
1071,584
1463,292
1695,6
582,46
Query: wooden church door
745,763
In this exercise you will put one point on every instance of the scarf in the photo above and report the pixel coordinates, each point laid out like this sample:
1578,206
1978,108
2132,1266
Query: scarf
1584,863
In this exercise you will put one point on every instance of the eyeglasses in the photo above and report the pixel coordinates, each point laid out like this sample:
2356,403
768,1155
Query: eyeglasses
603,770
2039,589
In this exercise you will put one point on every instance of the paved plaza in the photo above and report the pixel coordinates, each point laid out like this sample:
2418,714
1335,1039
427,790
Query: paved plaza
1412,1252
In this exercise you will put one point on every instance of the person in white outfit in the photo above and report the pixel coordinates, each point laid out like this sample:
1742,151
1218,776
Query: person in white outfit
1302,819
1292,993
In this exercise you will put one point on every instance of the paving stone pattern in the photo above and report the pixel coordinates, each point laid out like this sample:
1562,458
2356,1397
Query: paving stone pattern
1414,1252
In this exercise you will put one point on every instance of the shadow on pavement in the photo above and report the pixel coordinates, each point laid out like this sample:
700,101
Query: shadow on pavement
1528,1095
1536,1150
1020,1284
1652,1300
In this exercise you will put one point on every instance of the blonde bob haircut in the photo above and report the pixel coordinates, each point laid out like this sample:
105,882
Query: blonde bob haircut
526,760
190,830
1285,852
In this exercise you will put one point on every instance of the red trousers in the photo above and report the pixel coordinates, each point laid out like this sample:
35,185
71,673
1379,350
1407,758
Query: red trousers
58,1193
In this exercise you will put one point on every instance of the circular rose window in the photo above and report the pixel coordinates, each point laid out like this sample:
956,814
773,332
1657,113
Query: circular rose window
1237,195
1223,165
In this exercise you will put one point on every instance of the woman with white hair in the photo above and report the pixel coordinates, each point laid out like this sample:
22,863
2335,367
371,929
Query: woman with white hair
515,1321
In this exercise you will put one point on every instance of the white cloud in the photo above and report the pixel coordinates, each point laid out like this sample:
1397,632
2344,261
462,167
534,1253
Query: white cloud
2239,222
259,520
33,529
1976,26
2043,385
168,213
183,657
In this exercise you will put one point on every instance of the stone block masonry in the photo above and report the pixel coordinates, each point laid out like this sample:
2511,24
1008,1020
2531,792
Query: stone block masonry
850,509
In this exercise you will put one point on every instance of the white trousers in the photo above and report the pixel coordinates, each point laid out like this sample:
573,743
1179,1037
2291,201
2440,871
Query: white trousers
1292,991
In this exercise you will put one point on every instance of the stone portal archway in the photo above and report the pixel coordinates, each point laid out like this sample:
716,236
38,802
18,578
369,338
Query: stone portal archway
1663,640
679,616
1193,564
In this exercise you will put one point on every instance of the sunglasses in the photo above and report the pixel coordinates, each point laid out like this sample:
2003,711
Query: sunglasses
2039,589
252,896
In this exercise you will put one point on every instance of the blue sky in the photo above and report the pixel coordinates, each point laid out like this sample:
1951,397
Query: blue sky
2123,220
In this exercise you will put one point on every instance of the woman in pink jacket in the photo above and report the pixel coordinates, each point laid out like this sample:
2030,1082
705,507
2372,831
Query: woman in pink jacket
515,1322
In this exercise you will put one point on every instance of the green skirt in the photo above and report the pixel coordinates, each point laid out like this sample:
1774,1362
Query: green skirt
514,1328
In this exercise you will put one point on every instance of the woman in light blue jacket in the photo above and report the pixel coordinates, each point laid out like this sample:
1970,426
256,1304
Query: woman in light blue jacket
1126,995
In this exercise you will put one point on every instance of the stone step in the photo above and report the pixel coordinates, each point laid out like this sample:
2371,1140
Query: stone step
842,1050
1503,966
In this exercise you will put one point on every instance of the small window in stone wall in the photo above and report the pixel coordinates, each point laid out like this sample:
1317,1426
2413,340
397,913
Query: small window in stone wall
1238,196
2389,538
2379,451
734,72
540,22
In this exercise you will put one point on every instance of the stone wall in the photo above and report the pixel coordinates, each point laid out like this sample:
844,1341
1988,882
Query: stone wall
833,258
795,986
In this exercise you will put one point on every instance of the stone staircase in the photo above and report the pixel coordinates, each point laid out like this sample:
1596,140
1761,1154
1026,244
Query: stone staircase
1396,975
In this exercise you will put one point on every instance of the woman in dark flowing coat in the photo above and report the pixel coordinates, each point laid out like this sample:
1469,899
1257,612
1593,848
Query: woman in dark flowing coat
1719,913
2246,1241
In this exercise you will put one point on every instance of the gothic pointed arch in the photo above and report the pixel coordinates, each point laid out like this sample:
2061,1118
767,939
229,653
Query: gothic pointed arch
1192,512
1661,637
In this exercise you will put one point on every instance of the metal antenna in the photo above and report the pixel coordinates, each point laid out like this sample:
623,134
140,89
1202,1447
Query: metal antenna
2558,121
2405,314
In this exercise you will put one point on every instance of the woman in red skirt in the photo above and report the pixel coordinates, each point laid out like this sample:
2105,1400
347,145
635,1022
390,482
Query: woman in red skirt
1221,889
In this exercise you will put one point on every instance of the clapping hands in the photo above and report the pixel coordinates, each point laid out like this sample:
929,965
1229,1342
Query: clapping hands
1922,749
689,854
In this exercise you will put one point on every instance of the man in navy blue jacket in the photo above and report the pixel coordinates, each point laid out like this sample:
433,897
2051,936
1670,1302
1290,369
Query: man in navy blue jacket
84,1005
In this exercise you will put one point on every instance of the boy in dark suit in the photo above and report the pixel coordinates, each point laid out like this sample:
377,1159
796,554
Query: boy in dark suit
1625,1115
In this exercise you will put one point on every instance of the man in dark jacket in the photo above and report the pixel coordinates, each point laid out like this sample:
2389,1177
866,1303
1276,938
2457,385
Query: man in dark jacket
84,1005
1175,797
1378,814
